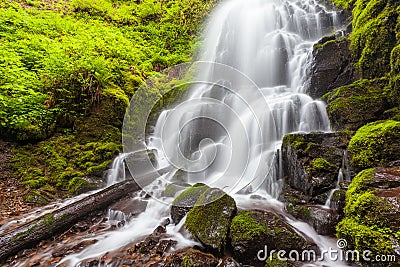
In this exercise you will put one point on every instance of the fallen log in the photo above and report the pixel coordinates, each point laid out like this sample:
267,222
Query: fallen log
47,225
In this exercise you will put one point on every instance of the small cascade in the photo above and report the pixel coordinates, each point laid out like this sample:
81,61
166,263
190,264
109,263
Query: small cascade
339,181
117,173
343,175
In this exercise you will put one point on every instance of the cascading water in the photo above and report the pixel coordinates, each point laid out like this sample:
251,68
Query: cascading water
249,93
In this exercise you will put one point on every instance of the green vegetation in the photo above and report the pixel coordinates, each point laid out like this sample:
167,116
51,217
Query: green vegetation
245,227
375,144
352,106
68,70
321,164
365,228
219,209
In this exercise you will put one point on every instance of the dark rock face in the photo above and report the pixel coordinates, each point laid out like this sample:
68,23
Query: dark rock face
185,201
332,66
312,161
323,220
252,230
209,220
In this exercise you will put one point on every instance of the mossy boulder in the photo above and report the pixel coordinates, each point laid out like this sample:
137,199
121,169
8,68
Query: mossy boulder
354,105
312,161
186,200
209,220
252,230
372,212
375,144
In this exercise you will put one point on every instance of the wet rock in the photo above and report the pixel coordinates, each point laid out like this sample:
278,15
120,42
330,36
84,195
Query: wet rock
149,243
185,201
338,201
191,257
354,105
172,189
209,220
129,206
228,262
312,161
252,230
323,220
165,245
332,66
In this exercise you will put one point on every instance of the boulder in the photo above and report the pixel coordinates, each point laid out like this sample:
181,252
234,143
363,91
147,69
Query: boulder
332,66
252,230
352,106
209,220
372,215
375,144
312,161
185,201
323,220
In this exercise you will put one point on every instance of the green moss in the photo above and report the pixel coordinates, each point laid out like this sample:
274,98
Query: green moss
187,261
375,144
190,195
219,209
321,164
374,36
244,227
345,4
354,105
362,237
366,225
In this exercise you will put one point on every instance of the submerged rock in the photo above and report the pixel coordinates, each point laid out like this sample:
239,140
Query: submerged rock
252,230
186,200
209,220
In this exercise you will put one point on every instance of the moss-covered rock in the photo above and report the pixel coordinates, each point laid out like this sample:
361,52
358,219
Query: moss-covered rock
312,161
186,200
374,35
352,106
372,209
209,220
252,230
375,144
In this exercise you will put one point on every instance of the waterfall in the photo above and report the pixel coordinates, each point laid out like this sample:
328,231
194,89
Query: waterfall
248,91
